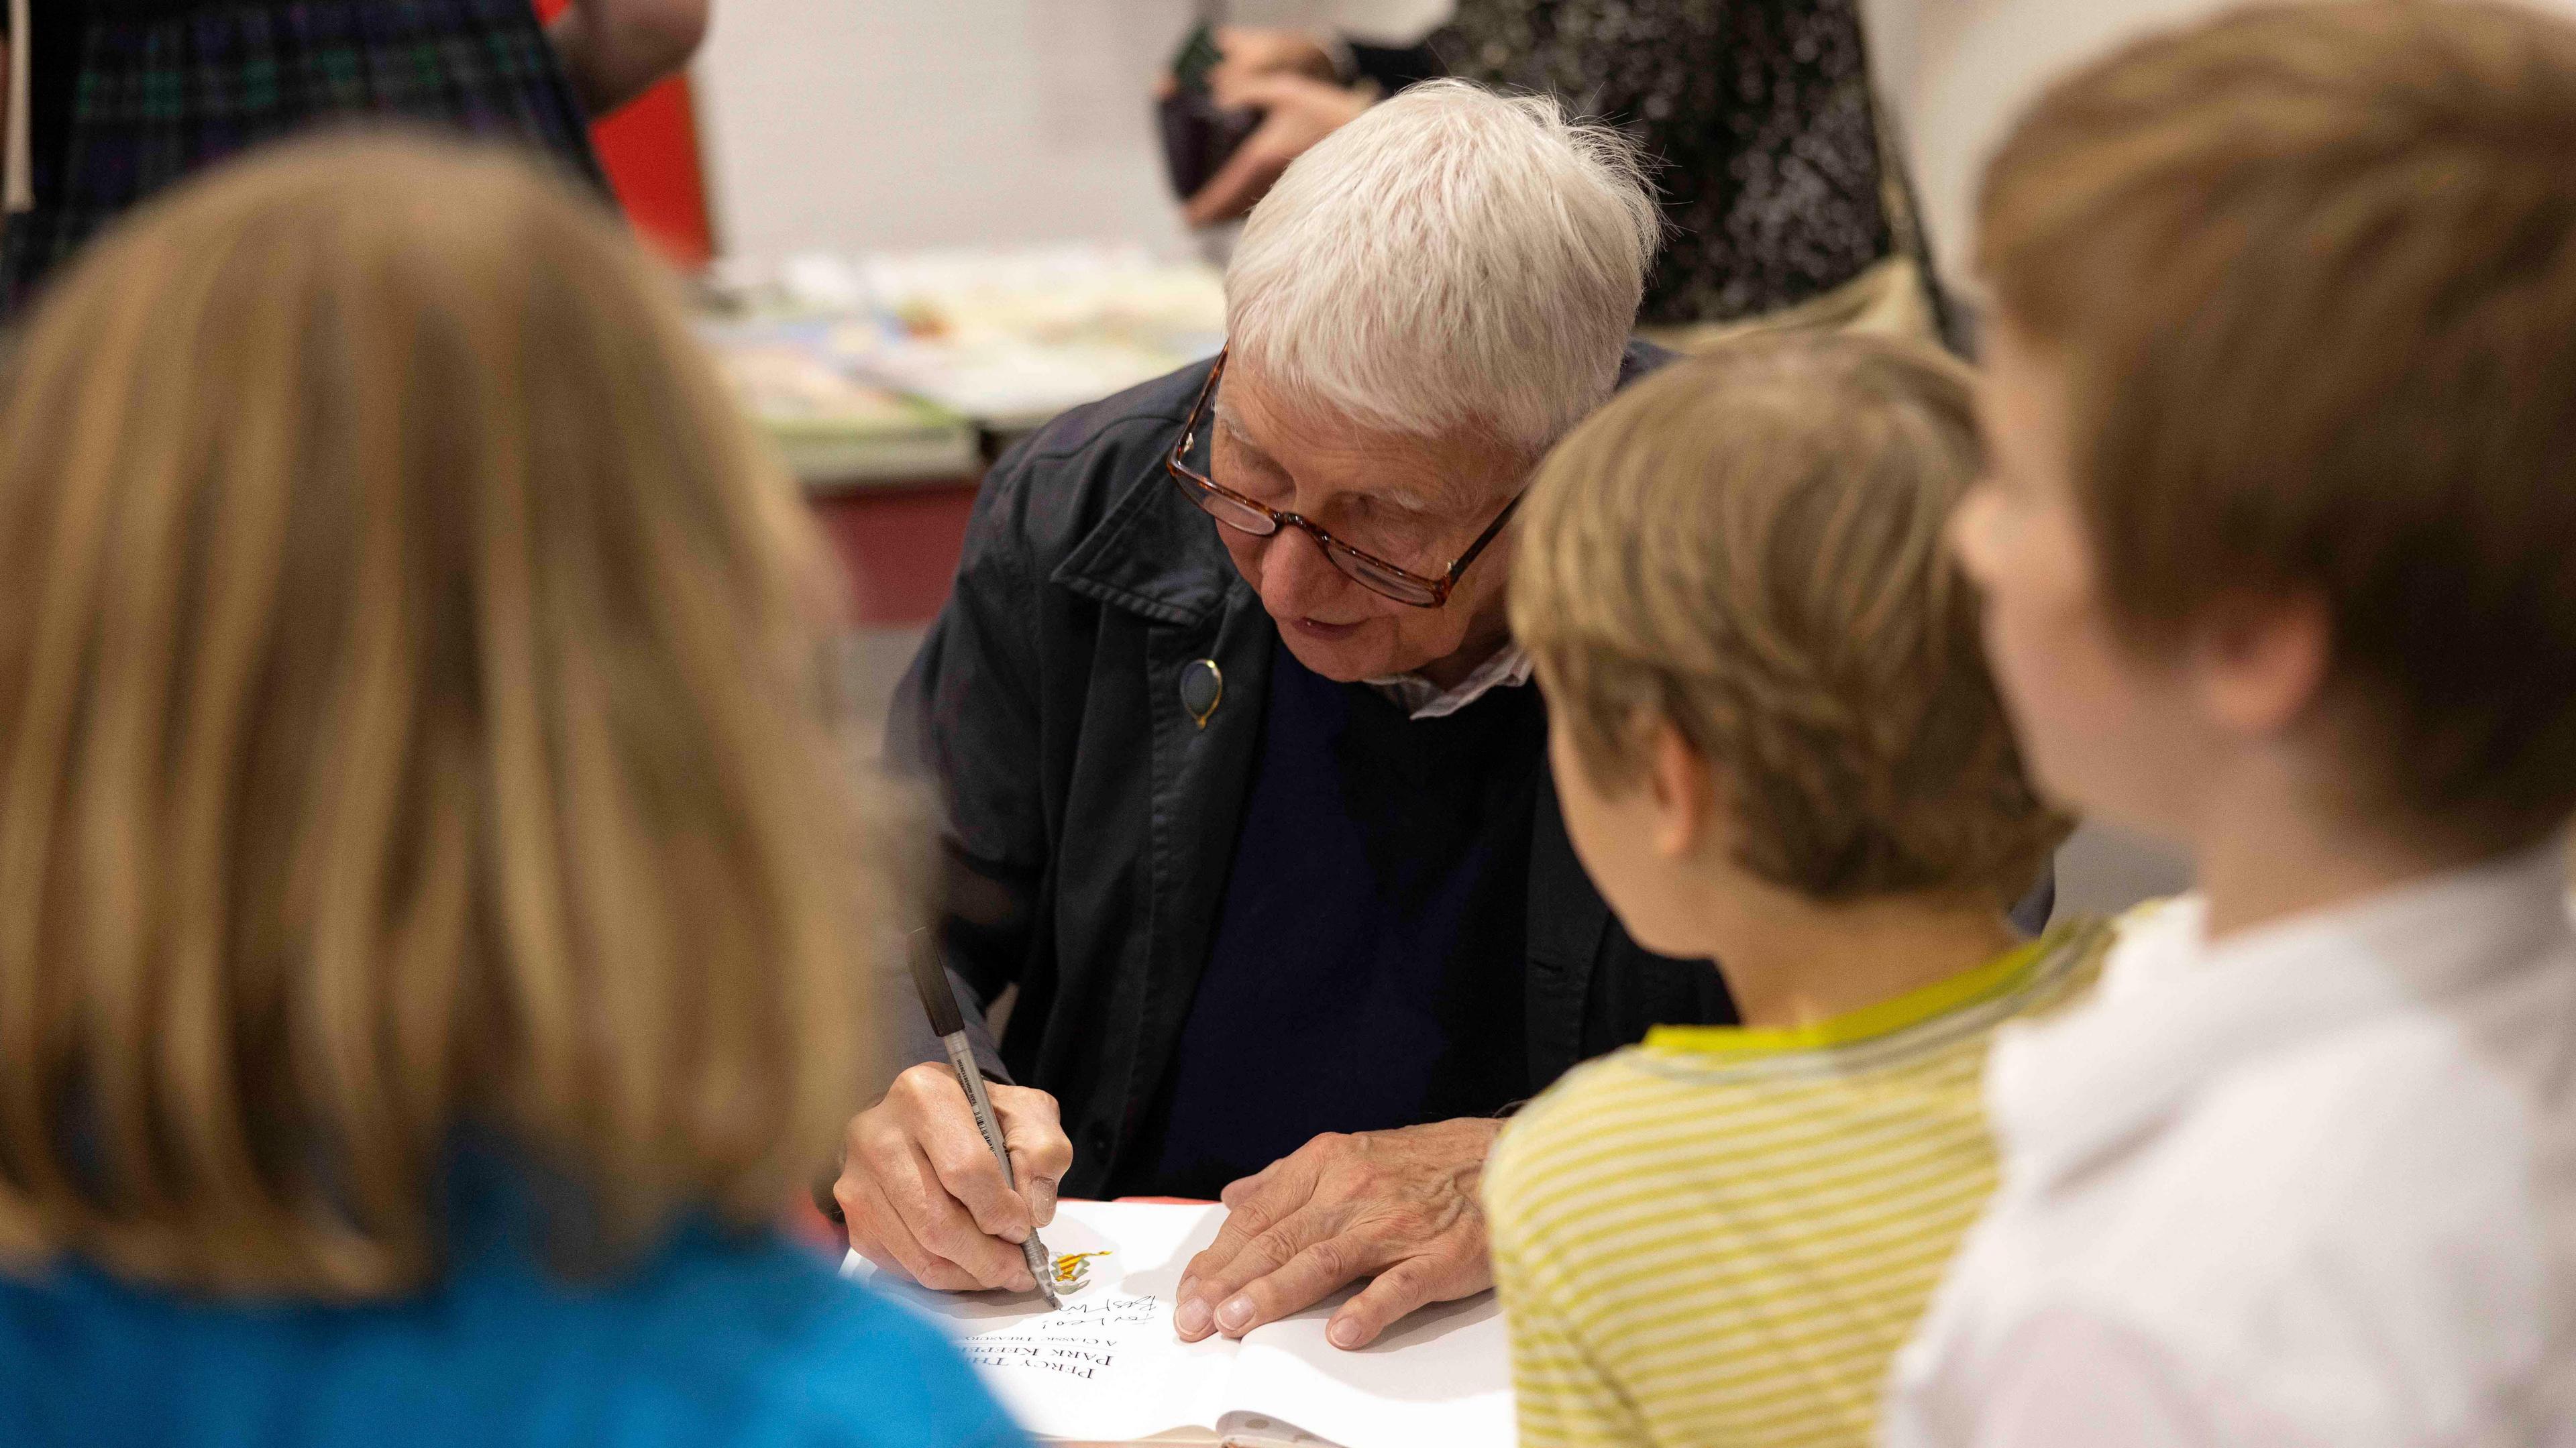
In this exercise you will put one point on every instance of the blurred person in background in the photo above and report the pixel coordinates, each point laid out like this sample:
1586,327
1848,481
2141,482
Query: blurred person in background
110,100
435,911
1755,118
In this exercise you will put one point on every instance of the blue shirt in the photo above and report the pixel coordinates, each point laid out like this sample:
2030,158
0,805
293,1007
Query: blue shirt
713,1339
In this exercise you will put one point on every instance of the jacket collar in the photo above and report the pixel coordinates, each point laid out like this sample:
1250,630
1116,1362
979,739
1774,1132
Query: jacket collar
2176,1013
1152,553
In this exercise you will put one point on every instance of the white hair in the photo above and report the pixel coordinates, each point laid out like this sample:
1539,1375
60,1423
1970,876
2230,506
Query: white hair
1453,262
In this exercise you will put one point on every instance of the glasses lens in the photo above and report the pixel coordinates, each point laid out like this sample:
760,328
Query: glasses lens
1378,578
1238,516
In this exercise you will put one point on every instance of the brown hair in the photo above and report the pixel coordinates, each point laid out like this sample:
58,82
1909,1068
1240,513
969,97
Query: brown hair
1750,544
2311,273
411,731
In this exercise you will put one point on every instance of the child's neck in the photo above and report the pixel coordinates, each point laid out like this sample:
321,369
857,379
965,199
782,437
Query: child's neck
1794,963
2267,861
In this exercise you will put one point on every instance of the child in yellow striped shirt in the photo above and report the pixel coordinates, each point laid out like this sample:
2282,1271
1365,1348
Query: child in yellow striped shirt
1776,744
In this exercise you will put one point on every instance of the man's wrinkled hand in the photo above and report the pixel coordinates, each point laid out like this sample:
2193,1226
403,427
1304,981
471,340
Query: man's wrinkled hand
922,1195
1396,1206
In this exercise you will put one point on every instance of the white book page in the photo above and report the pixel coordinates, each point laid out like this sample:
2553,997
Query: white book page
1442,1375
1107,1367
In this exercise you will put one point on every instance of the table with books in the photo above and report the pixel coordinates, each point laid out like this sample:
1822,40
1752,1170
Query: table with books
889,382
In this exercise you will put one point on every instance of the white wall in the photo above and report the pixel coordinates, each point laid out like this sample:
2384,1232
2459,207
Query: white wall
863,124
1957,71
860,124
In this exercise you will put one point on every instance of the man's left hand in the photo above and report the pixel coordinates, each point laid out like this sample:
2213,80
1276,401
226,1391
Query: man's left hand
1399,1206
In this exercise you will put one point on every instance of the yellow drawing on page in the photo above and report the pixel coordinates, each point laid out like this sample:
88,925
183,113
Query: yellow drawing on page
1073,1269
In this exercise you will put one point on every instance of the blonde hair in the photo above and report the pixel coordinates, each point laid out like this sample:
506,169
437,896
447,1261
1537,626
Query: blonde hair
2310,272
1453,263
1749,545
412,734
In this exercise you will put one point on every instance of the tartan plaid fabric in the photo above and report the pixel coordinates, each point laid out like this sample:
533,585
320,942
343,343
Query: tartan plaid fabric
159,95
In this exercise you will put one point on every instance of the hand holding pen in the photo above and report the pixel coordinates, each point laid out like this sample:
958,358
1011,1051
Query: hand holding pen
923,1191
949,1023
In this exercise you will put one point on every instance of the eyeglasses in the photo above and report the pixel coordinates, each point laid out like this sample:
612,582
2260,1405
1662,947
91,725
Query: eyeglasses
1362,567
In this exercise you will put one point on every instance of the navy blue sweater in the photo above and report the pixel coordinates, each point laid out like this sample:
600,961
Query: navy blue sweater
1367,969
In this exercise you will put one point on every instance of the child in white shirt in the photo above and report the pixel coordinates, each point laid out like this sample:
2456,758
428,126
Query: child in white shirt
2279,552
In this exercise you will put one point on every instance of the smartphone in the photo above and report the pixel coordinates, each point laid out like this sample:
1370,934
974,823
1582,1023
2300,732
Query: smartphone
1198,134
1197,56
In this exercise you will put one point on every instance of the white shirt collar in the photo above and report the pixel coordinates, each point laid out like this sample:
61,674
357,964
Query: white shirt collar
2176,1011
1422,699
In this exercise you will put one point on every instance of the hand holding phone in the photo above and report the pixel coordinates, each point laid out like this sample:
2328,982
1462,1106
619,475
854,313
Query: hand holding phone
1199,135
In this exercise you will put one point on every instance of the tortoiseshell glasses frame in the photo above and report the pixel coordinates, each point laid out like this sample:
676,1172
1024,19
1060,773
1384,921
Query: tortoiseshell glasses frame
1362,567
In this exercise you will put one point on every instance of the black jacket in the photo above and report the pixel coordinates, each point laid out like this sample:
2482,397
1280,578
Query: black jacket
1090,821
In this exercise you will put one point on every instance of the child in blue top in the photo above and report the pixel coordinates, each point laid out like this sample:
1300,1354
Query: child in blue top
710,1340
434,909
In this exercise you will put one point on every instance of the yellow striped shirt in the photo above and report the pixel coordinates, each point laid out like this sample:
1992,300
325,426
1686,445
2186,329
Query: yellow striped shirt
1722,1236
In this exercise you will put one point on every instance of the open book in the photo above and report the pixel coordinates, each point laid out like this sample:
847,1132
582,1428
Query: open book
1108,1369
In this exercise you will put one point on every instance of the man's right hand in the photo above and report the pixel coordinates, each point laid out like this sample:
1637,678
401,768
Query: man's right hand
922,1194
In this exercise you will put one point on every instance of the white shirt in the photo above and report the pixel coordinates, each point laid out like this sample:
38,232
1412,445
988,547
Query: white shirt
1422,699
2314,1185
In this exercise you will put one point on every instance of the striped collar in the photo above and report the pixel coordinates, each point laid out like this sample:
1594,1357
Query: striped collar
2005,975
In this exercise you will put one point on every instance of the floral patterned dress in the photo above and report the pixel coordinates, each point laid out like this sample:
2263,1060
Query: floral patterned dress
1754,114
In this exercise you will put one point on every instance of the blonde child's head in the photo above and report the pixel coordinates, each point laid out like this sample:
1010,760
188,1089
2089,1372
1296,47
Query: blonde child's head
2283,402
1740,558
411,731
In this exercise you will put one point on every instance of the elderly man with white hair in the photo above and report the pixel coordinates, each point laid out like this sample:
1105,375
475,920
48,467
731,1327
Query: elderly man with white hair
1245,786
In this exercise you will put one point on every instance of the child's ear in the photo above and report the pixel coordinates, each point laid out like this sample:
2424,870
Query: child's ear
2257,663
1679,783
